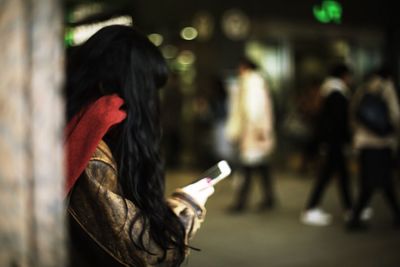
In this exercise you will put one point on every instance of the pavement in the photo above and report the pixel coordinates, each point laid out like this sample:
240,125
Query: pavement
276,238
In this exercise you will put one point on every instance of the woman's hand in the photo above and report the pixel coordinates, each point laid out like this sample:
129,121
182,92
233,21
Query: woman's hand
200,191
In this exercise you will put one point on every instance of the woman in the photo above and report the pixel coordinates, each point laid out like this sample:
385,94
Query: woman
250,126
117,210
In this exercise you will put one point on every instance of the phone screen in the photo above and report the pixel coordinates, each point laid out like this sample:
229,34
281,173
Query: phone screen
217,172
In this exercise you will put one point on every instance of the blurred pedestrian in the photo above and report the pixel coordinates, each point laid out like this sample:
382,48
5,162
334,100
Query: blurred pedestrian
376,123
250,127
171,121
219,109
333,134
309,106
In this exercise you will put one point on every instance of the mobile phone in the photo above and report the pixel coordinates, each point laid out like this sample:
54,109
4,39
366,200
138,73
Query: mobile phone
217,172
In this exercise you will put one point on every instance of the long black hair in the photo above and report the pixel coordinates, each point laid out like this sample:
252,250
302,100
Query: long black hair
119,59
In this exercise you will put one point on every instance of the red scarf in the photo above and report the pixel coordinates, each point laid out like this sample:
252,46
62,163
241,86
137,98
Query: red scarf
85,131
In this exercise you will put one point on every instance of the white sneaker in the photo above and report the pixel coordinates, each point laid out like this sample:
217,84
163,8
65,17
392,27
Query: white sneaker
316,217
366,214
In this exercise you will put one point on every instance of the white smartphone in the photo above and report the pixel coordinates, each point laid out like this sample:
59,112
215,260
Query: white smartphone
217,172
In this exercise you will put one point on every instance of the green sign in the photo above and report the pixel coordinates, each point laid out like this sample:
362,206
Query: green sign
69,37
328,11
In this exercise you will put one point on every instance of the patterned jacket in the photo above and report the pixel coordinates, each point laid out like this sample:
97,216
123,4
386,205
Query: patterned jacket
100,219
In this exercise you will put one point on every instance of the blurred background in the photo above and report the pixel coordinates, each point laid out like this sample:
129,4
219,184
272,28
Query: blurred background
294,43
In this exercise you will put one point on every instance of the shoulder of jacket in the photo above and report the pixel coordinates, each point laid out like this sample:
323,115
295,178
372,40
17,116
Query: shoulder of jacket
103,154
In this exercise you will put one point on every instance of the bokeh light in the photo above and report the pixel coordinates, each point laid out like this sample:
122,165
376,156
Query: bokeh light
189,33
156,38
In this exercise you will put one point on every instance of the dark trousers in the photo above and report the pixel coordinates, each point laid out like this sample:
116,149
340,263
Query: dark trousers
334,163
266,181
376,170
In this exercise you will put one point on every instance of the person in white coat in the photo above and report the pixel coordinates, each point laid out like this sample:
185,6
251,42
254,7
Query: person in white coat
251,128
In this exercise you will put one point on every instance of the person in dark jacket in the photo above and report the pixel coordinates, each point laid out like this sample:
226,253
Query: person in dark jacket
333,132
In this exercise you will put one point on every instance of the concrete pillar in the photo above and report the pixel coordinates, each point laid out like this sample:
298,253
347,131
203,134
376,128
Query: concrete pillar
32,228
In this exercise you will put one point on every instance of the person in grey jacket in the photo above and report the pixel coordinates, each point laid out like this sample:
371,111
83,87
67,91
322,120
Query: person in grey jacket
375,150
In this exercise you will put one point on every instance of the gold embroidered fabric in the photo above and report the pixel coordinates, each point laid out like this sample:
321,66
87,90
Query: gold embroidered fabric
97,206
